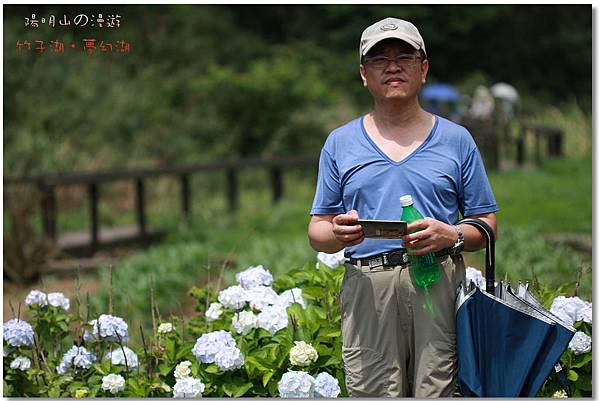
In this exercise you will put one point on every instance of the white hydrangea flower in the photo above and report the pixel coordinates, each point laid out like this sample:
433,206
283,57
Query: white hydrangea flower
560,394
209,345
295,384
165,328
331,260
233,297
303,354
76,357
273,318
214,311
254,276
188,387
182,370
288,297
476,277
244,321
261,296
18,333
571,309
117,357
326,386
585,313
113,383
58,300
36,297
581,343
229,358
111,328
21,362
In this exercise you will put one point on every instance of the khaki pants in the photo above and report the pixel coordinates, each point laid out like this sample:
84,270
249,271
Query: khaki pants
392,345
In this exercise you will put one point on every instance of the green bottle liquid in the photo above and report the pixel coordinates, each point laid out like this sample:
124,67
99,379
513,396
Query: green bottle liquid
425,268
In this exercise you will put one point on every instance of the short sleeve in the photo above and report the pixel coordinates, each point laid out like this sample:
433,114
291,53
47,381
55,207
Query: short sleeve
328,195
477,196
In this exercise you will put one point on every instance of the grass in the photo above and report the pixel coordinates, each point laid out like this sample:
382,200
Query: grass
557,197
532,203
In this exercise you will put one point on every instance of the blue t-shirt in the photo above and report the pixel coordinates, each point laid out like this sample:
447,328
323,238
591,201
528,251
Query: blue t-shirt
445,175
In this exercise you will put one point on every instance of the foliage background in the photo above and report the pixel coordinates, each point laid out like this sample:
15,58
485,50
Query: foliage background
211,81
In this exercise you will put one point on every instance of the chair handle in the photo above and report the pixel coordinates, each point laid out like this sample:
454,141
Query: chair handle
490,250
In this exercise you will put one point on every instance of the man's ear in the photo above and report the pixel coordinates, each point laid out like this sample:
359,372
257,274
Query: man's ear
424,70
363,75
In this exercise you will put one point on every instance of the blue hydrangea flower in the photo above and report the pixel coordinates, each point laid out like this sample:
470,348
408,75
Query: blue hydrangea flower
18,333
110,326
36,297
254,276
296,384
210,344
326,386
229,358
75,358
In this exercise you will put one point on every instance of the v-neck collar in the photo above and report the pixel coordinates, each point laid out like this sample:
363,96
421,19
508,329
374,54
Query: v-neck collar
407,157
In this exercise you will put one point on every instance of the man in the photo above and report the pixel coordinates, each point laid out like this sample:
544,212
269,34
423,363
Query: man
392,346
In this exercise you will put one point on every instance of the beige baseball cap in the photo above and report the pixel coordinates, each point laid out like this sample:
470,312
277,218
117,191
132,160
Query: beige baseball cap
391,28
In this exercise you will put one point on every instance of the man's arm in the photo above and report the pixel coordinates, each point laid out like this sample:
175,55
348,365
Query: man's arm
473,238
330,233
435,235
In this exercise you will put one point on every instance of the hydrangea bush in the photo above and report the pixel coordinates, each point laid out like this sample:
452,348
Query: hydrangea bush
262,337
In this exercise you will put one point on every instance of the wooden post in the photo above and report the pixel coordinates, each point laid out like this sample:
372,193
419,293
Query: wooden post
520,142
93,195
232,189
277,183
139,203
185,197
538,147
555,141
49,210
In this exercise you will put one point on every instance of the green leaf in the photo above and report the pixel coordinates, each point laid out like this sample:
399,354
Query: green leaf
241,390
586,359
273,388
585,382
184,351
266,377
170,348
572,375
164,369
253,361
228,388
212,369
313,293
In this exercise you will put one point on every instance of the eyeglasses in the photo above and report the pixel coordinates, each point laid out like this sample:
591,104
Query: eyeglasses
403,60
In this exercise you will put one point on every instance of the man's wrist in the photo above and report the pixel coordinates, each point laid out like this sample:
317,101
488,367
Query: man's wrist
459,244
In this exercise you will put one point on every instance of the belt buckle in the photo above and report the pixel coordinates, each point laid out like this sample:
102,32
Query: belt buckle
397,258
375,262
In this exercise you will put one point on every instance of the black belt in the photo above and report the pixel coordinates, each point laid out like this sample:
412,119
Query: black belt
398,257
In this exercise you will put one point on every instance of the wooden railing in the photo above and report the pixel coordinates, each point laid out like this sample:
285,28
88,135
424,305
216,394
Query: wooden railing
546,141
48,183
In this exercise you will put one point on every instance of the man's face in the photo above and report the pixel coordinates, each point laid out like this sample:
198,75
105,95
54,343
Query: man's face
400,79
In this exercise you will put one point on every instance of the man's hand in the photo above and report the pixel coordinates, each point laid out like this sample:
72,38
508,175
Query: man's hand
346,230
434,236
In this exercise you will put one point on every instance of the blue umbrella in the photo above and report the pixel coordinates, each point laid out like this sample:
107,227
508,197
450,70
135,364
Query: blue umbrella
440,92
507,346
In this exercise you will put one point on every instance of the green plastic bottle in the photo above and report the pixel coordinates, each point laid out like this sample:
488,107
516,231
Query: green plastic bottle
425,268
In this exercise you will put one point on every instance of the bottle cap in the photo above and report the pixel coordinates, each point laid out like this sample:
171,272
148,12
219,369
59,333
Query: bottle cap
406,200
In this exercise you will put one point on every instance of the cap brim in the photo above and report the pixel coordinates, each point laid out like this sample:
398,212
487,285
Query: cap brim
404,38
